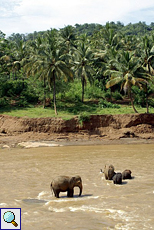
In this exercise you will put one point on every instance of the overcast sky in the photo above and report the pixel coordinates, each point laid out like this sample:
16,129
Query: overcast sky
26,16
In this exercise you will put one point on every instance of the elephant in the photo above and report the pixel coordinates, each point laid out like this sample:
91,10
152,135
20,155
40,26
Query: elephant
109,172
126,174
117,179
65,183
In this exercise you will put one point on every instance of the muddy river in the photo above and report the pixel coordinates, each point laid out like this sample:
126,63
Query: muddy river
26,175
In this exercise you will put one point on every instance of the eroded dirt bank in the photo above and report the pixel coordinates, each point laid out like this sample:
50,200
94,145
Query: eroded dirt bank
98,128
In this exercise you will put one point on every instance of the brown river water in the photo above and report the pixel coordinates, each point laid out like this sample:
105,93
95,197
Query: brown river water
26,175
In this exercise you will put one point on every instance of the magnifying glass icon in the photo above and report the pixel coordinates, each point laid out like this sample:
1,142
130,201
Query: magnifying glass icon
9,217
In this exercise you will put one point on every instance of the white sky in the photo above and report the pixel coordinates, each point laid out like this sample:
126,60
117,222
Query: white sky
26,16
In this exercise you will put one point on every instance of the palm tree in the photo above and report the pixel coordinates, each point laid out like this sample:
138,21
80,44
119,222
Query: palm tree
82,64
125,70
147,51
68,37
50,63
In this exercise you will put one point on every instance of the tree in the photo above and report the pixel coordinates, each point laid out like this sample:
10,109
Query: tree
147,55
126,70
50,63
83,58
68,36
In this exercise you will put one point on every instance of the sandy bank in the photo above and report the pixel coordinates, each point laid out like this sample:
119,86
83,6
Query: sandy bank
103,129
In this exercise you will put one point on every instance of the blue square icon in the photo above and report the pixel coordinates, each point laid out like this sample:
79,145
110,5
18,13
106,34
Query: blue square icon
10,218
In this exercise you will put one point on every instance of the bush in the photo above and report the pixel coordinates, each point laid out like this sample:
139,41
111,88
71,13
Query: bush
151,102
106,104
117,96
30,97
74,91
22,102
13,87
107,94
139,96
4,101
83,117
93,91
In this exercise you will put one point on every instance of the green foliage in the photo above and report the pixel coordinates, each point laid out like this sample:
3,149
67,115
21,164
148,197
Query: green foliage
66,111
117,96
106,104
151,102
12,87
86,28
38,68
107,94
140,97
22,102
29,96
83,117
4,101
93,91
19,91
73,92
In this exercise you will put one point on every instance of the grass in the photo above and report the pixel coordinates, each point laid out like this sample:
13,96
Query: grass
67,110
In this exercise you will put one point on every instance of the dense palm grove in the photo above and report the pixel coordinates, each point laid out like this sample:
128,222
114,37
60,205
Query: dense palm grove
78,63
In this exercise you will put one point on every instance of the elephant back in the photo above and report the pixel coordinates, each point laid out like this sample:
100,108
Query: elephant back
126,174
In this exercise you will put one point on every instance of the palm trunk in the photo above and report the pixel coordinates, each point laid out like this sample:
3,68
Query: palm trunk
132,102
147,104
44,96
54,94
82,89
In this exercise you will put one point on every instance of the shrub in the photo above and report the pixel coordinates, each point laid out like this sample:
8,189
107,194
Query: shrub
106,104
74,92
22,102
93,91
30,97
139,96
13,87
4,101
107,94
117,96
83,117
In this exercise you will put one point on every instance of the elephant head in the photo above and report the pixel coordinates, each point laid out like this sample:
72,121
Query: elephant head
76,182
109,172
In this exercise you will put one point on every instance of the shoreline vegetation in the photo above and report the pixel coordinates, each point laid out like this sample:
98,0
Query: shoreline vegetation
87,83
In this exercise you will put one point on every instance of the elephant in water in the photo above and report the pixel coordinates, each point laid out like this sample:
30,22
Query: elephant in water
117,179
65,183
109,172
126,174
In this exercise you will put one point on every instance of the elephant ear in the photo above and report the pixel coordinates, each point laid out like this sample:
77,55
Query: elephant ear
72,180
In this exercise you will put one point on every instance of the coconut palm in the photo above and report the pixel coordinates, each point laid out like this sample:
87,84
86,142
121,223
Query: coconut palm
83,58
68,37
147,55
50,63
126,70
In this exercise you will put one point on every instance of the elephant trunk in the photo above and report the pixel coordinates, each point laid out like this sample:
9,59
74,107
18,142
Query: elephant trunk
80,187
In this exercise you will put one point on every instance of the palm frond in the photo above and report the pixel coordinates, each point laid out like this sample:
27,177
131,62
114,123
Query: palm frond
113,82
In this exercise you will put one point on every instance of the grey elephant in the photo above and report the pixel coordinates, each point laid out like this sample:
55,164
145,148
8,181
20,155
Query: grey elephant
126,174
117,178
109,172
65,183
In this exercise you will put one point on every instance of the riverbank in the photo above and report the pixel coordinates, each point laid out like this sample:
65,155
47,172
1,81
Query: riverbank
103,129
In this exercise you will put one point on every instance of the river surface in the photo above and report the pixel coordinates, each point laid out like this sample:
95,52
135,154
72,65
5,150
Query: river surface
26,175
